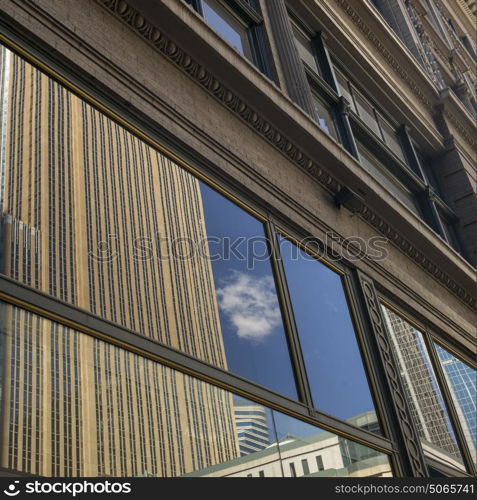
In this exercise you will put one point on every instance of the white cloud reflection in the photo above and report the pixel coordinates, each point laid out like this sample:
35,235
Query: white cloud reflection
250,304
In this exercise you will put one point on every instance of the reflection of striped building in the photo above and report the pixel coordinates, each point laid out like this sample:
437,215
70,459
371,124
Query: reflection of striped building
252,427
81,407
74,181
424,396
462,382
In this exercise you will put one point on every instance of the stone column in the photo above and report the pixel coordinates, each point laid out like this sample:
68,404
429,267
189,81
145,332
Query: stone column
292,68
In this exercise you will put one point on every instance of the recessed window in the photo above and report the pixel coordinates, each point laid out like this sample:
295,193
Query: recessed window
344,88
252,328
383,175
324,117
302,442
462,381
327,336
228,25
422,390
391,139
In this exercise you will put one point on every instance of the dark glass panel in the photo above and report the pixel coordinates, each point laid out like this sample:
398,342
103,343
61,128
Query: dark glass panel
251,321
328,341
324,117
76,406
366,113
378,170
305,49
391,139
111,225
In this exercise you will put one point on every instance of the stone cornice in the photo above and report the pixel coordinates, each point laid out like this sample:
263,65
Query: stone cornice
252,117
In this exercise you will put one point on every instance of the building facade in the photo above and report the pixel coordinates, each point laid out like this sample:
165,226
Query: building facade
238,238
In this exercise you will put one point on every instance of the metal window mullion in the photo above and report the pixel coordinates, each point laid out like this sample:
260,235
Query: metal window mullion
288,317
449,402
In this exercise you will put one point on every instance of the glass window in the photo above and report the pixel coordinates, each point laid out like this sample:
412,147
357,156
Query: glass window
109,224
76,406
305,50
428,171
366,113
327,337
326,454
462,380
423,393
391,139
225,23
449,231
378,170
344,88
251,322
324,116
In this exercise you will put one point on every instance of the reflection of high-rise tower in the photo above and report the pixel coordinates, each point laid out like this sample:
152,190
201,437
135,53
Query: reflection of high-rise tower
92,215
425,401
252,427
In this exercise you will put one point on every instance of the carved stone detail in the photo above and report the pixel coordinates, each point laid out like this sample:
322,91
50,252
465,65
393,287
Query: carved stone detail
252,117
402,413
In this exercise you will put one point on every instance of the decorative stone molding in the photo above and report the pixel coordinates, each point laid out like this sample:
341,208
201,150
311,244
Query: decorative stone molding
412,449
252,117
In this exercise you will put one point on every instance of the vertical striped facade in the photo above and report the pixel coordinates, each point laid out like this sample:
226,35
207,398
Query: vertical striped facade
79,406
92,215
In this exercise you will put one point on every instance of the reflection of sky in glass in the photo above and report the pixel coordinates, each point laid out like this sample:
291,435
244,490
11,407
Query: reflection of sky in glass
432,376
233,34
333,362
252,328
462,380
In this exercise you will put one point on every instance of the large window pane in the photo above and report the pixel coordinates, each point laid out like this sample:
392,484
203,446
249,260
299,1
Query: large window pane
378,170
251,322
225,23
423,392
328,341
366,113
96,217
77,406
462,380
391,138
306,450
